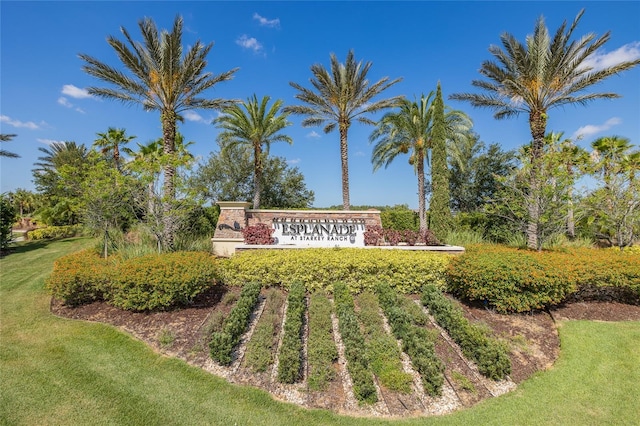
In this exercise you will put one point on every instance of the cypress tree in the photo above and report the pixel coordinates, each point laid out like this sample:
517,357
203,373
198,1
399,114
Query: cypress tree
440,212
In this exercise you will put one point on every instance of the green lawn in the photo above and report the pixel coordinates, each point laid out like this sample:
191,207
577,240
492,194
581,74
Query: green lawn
58,371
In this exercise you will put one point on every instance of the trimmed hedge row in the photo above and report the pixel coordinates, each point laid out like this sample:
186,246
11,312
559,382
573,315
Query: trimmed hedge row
417,342
290,357
357,362
321,348
382,348
319,268
513,280
223,342
490,355
140,284
54,232
261,347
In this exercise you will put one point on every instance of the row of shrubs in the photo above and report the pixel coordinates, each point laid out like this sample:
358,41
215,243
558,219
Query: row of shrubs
319,268
55,232
417,342
378,236
290,357
357,362
321,348
260,352
144,283
223,342
490,355
512,280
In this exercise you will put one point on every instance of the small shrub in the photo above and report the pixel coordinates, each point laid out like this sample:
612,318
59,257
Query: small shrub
373,235
261,347
55,232
491,355
259,233
79,278
161,281
321,348
290,357
223,342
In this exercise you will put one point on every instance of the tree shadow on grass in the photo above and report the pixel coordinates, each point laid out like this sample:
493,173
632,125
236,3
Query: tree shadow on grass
28,246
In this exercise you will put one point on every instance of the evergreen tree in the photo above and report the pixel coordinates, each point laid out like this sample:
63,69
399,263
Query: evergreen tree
440,212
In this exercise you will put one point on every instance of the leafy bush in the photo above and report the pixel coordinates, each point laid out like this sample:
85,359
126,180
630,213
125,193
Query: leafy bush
161,281
79,278
382,349
223,342
376,236
400,219
417,342
513,280
357,362
7,218
259,233
290,357
261,347
55,232
321,348
491,356
319,268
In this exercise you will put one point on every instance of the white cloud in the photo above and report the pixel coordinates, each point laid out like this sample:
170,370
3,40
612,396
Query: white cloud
64,102
294,161
360,154
75,92
313,134
249,43
592,129
17,123
271,23
600,59
48,141
80,110
193,116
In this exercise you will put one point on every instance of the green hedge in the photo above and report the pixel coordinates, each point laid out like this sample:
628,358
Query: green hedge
513,280
318,268
55,232
223,342
261,348
290,357
321,348
140,284
490,355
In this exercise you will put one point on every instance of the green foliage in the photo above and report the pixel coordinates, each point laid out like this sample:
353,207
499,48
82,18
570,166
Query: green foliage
261,347
55,232
357,361
417,342
321,348
7,218
319,268
439,211
161,281
400,218
79,278
491,355
223,342
513,280
382,349
290,357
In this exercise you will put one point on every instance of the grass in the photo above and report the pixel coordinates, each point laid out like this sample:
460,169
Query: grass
66,372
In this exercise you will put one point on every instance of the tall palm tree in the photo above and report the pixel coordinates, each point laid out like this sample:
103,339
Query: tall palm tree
409,131
341,96
7,138
161,77
535,77
609,153
111,141
255,126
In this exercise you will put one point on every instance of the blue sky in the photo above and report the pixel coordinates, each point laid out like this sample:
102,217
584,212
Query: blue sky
43,97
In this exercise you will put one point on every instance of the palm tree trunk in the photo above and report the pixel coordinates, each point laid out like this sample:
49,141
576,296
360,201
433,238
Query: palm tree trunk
422,204
344,157
169,188
537,124
257,175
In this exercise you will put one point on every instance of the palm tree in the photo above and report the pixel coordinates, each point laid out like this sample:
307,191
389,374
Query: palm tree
340,97
609,153
409,131
24,201
161,78
256,128
533,78
7,138
111,141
